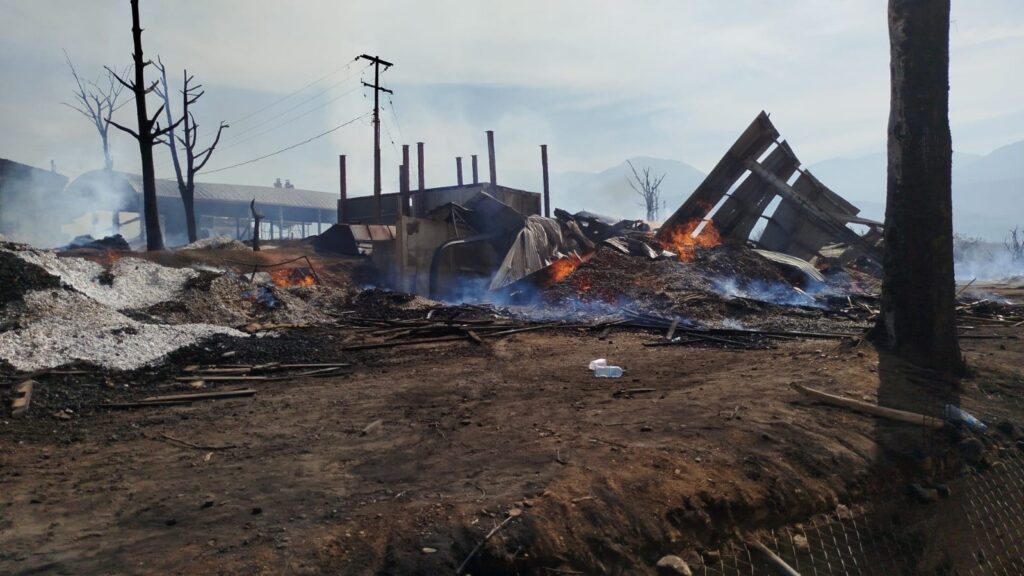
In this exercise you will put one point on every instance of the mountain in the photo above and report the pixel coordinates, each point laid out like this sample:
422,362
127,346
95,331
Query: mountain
1006,163
608,192
988,190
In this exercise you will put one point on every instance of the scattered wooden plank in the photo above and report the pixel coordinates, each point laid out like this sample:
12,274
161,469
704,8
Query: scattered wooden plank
872,409
473,336
22,397
202,396
631,391
780,564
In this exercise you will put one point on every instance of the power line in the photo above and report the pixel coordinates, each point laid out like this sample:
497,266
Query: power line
289,121
395,116
300,104
306,141
287,96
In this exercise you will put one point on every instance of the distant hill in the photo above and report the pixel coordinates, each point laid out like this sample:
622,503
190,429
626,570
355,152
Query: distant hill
988,191
608,192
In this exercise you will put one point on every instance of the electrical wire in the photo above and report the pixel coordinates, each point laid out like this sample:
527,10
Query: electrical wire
289,121
293,146
287,96
300,104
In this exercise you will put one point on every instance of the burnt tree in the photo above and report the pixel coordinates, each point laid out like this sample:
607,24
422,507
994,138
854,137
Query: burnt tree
194,161
649,188
918,316
97,100
149,133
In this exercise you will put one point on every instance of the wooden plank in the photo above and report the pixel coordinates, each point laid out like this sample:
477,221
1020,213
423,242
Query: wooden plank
22,397
201,396
872,409
751,144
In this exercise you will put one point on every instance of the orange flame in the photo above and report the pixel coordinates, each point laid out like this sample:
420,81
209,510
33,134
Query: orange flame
561,269
685,239
292,277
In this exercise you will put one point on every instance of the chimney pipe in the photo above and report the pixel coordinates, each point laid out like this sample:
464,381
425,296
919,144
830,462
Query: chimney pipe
403,181
403,184
490,157
419,157
476,173
343,188
458,169
544,167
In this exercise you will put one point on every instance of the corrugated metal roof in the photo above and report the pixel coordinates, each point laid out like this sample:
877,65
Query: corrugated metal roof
243,193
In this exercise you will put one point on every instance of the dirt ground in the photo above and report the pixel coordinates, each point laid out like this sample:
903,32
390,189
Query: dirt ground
689,448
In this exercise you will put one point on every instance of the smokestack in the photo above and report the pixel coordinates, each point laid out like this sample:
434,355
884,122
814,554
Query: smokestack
342,188
458,169
476,173
403,179
544,167
403,184
490,157
419,158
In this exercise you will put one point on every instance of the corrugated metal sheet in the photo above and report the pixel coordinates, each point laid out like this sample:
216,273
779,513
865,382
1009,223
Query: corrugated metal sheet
242,193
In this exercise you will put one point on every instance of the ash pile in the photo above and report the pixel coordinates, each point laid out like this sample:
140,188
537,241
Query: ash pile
116,311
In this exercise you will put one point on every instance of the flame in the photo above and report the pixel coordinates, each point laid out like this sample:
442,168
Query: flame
292,277
561,269
685,239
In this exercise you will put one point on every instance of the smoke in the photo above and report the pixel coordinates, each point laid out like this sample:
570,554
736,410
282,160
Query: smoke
975,259
37,209
770,292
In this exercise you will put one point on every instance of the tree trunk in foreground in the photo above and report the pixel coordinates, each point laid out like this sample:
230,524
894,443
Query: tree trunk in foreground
918,319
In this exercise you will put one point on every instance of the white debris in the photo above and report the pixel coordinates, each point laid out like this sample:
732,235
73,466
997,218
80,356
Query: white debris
59,327
135,283
216,243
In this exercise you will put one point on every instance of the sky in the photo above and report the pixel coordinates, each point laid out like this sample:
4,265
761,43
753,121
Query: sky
598,81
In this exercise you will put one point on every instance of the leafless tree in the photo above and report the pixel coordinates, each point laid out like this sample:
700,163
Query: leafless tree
149,133
649,188
97,100
194,161
1015,244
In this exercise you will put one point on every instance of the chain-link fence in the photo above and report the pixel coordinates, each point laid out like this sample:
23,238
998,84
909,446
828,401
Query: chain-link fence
977,530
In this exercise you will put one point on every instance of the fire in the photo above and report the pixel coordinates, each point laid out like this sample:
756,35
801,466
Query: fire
292,277
684,240
561,269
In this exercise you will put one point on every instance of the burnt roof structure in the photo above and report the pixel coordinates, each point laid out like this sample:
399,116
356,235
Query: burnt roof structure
754,182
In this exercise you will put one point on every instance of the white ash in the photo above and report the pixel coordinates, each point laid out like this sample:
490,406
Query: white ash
216,243
58,327
136,283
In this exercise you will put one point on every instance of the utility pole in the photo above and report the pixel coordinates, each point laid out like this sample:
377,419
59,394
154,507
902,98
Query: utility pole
377,89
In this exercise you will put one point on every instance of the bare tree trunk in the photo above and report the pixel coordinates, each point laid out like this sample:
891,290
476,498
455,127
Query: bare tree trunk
154,237
918,319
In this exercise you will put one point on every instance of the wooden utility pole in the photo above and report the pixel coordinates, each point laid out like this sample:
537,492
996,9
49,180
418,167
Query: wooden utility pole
918,313
377,89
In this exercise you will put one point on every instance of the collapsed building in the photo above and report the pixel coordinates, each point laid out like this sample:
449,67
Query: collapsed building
468,240
759,180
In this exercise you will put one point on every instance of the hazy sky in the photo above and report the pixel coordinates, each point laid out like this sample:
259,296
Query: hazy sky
597,81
